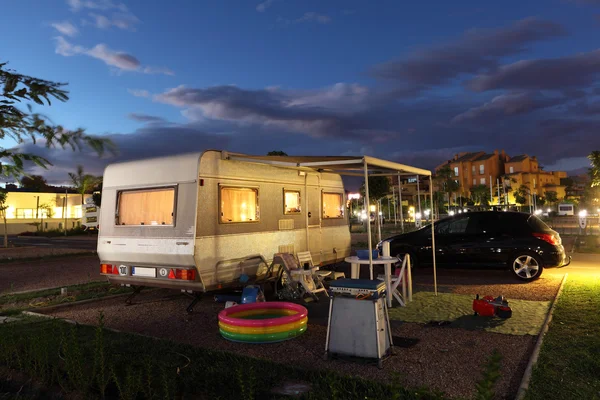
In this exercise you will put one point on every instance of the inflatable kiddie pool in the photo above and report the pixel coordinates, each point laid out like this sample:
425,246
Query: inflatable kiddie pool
264,322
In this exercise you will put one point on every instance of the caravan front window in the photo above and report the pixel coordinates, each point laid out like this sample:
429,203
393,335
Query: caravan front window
333,206
146,207
239,204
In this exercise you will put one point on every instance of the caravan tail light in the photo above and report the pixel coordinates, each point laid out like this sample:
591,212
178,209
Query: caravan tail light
183,274
107,268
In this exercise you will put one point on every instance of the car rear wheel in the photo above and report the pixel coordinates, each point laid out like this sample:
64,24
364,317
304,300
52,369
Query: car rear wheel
526,266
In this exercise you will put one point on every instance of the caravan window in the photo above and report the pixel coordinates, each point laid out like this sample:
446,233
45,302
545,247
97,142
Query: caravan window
239,204
146,207
291,202
333,206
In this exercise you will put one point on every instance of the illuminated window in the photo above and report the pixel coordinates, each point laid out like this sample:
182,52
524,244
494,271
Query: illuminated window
474,181
511,169
332,205
239,204
473,169
481,169
30,213
482,181
291,202
146,207
455,171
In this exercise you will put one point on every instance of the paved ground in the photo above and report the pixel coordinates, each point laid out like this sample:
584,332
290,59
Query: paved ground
75,242
49,273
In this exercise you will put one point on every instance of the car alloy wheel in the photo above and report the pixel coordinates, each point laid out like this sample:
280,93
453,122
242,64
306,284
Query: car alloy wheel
526,267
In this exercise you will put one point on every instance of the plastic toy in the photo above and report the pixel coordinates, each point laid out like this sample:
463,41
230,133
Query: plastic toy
490,307
264,322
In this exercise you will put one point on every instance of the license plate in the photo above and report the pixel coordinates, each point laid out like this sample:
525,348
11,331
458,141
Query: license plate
91,219
141,271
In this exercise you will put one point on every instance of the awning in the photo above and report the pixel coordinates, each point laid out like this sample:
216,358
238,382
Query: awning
364,166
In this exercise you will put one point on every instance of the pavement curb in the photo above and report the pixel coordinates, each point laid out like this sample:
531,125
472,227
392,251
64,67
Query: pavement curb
536,350
76,303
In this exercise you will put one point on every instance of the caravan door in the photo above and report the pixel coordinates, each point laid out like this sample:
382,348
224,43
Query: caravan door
313,210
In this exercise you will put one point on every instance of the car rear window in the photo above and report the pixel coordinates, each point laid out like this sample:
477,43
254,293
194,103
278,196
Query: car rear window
537,224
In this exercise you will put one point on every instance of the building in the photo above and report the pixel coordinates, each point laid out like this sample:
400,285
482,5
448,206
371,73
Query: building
525,170
25,210
477,168
504,175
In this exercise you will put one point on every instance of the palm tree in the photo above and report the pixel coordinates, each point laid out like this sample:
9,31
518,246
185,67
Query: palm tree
521,195
594,158
83,182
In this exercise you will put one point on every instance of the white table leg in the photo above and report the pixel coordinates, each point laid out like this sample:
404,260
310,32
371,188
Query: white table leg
354,269
388,284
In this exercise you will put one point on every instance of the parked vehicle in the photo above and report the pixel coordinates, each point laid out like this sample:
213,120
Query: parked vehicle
566,209
200,222
522,242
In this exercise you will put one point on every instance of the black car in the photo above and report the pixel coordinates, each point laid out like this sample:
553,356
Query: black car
522,242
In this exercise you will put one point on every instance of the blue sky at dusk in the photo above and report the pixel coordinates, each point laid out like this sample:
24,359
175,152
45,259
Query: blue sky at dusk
413,82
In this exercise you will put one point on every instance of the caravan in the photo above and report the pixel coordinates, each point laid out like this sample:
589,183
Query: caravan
200,222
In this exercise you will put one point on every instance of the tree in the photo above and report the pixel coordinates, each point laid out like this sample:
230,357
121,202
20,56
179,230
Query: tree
379,187
34,183
551,197
20,125
3,208
276,153
83,182
446,180
521,195
480,195
594,171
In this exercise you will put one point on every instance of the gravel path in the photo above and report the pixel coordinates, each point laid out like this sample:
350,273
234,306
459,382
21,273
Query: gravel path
49,273
15,253
449,360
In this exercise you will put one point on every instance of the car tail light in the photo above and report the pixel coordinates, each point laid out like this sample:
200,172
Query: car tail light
546,237
107,268
183,274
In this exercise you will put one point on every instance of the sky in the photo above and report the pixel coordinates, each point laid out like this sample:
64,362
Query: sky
411,82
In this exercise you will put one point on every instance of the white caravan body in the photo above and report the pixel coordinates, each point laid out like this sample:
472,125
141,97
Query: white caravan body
165,221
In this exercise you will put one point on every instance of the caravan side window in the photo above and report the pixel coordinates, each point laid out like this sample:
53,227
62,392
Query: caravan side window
333,206
291,202
238,204
146,207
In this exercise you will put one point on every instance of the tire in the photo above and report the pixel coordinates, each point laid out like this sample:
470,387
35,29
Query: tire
526,266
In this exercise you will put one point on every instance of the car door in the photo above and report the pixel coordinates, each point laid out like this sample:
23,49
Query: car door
449,236
492,239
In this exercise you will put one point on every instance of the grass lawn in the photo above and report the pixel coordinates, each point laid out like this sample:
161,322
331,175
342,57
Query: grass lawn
87,362
457,309
569,363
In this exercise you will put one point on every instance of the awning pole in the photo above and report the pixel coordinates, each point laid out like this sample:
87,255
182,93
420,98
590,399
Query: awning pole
368,220
419,201
395,210
433,241
400,202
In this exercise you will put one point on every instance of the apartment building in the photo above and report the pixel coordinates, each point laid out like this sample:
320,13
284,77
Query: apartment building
476,168
481,168
525,170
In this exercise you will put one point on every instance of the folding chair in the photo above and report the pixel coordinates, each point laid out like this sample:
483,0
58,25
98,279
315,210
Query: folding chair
305,257
402,276
298,282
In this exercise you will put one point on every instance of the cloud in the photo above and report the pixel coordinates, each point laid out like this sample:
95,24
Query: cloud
145,118
314,17
65,28
507,105
78,5
120,60
65,48
475,51
339,110
576,71
262,7
125,21
139,92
